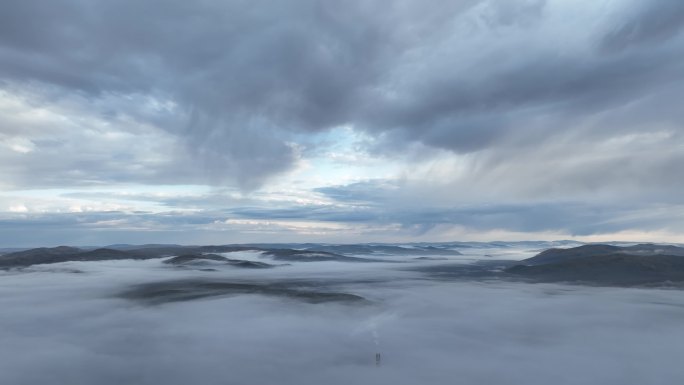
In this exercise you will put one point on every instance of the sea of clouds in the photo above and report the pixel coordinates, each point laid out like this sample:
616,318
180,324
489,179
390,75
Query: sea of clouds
59,326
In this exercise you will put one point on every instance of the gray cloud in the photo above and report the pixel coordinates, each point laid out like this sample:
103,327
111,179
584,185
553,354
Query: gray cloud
378,220
646,24
242,75
464,76
546,110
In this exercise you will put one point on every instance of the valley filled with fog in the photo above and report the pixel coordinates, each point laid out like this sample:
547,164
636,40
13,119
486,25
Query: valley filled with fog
299,321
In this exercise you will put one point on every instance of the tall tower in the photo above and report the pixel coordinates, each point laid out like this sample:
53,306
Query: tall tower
377,359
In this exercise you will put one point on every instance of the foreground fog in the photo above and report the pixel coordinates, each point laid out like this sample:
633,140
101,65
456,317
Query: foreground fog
66,323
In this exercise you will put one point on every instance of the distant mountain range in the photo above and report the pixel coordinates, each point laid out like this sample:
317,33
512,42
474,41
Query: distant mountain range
597,264
310,253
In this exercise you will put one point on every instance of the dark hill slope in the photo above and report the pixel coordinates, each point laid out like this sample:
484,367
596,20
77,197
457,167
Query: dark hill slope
558,255
367,249
38,257
203,259
606,265
187,254
59,250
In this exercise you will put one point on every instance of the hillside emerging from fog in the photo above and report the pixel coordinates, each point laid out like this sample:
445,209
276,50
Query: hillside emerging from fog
641,264
308,253
595,264
483,312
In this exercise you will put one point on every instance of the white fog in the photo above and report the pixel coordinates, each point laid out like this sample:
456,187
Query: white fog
66,323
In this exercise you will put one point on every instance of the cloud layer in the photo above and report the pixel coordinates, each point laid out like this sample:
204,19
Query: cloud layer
428,331
473,102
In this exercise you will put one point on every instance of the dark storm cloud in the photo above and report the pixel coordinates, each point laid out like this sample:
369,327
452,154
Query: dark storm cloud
243,76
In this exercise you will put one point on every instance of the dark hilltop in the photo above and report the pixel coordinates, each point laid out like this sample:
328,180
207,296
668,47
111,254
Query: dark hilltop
638,265
185,255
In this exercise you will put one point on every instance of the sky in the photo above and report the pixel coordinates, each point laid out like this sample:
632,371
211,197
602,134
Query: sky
239,121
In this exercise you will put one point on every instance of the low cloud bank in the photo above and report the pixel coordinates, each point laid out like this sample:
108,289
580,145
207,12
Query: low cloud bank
61,327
